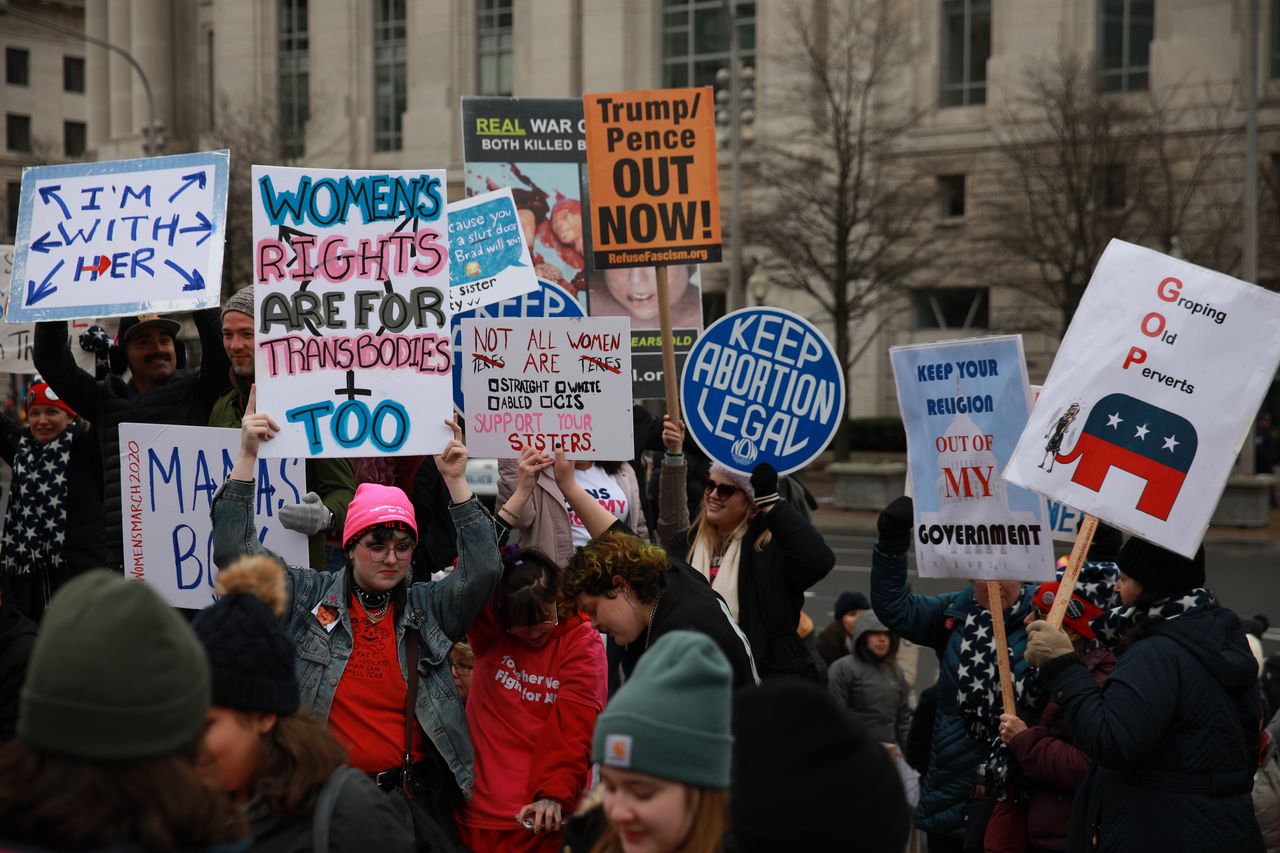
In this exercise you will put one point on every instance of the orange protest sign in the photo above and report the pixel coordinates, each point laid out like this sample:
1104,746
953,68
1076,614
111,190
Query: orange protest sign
651,164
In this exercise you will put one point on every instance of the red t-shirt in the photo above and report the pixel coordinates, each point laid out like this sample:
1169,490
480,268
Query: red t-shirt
367,715
531,713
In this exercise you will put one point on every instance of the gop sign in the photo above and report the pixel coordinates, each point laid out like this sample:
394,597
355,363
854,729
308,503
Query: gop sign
549,300
1151,395
762,385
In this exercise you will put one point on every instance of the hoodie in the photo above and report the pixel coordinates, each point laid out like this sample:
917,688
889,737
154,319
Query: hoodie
1173,734
872,689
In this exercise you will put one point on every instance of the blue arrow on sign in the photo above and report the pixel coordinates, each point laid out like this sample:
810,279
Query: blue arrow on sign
47,193
46,288
193,279
205,225
188,180
44,244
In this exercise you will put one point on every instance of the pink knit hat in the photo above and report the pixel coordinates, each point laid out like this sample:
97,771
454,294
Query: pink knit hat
375,505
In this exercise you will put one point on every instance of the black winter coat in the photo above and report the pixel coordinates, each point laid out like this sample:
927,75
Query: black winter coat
185,399
771,587
363,818
1173,735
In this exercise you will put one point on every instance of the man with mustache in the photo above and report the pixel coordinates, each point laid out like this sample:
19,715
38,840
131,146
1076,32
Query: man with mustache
158,391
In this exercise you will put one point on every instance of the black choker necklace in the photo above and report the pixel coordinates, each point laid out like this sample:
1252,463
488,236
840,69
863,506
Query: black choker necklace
372,600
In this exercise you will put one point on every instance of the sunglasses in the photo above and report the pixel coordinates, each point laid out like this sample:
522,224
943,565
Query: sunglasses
724,490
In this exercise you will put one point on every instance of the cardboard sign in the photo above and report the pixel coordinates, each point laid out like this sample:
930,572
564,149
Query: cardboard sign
548,300
488,256
537,147
651,157
549,384
964,405
120,238
352,311
168,477
762,385
1151,395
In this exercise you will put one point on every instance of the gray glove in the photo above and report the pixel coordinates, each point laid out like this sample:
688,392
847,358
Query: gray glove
1045,642
309,517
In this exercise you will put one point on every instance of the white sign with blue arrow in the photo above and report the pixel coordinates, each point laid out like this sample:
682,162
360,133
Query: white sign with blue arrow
120,238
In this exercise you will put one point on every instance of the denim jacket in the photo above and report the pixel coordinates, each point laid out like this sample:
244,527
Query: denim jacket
441,612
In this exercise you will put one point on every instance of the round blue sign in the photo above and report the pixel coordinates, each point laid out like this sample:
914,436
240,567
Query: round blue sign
762,385
549,300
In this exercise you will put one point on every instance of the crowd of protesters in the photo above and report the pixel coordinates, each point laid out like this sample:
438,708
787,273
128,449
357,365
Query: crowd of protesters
551,675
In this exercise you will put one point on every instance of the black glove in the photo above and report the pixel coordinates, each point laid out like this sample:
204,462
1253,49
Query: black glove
894,526
764,482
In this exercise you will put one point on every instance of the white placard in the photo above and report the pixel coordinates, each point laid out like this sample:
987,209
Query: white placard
1151,395
488,254
552,384
351,268
168,476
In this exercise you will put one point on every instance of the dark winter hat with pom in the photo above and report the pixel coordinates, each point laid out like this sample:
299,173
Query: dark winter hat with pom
249,652
1161,572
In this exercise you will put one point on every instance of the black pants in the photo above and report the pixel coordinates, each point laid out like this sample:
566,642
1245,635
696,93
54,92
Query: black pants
939,843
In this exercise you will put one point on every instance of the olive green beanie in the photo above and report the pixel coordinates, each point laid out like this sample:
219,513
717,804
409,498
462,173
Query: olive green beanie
672,717
116,674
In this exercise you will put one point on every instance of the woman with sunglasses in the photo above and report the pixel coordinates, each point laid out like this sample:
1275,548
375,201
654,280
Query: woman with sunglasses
539,685
379,674
757,551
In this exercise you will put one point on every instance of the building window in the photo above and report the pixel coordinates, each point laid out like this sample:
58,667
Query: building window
951,308
17,66
966,47
1275,38
17,132
13,196
493,47
695,40
388,74
74,138
950,196
1125,30
211,97
73,73
293,77
1109,187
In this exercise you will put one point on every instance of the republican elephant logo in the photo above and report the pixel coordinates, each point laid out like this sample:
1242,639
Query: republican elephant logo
1145,440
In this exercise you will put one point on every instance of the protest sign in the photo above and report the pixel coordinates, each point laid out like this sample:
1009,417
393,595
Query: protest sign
352,323
562,384
1151,395
549,300
120,238
16,339
488,257
964,405
168,477
538,148
651,161
762,385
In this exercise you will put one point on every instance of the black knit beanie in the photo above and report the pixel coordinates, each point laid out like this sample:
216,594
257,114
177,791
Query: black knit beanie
800,798
1161,572
251,656
1106,544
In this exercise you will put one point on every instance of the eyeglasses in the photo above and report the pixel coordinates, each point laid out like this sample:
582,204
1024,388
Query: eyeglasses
724,490
460,668
379,550
526,630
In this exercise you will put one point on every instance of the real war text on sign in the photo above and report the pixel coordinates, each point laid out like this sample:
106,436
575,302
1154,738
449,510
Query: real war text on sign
651,159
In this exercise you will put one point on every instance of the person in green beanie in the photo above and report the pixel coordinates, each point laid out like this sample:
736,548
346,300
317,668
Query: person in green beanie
109,725
664,747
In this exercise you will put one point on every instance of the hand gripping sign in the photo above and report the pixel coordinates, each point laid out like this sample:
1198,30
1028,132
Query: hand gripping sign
762,385
119,238
1151,395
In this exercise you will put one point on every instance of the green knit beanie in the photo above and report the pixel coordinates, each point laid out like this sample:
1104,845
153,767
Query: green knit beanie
116,674
671,718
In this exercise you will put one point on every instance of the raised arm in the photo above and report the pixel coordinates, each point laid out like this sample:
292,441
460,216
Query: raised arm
234,530
215,366
517,478
57,366
808,559
594,517
916,617
673,500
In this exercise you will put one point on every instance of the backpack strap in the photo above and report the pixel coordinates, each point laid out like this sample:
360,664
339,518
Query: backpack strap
322,817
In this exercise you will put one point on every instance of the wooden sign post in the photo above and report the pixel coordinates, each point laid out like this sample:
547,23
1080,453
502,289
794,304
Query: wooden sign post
1088,526
1001,640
